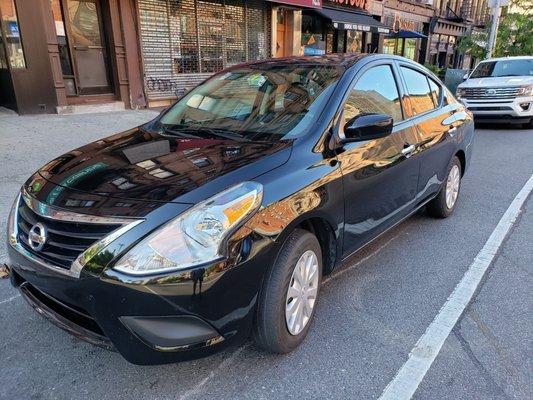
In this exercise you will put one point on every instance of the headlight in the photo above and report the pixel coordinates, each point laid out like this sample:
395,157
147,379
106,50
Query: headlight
195,237
12,222
525,91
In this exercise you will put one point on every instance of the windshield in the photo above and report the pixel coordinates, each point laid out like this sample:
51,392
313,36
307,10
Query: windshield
495,69
259,102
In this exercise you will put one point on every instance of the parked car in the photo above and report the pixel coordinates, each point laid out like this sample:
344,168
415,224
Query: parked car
500,90
219,218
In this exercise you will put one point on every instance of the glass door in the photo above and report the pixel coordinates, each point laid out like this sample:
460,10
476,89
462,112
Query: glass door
83,20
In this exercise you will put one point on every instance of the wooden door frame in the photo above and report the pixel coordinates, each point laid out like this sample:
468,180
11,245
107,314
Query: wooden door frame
110,89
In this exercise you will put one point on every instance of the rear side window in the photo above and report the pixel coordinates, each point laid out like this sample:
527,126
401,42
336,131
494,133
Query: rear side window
418,91
435,91
375,92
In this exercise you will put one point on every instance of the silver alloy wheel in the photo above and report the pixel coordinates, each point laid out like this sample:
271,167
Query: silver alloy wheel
452,186
302,292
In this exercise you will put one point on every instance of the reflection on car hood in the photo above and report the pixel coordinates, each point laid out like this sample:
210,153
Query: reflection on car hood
147,166
503,81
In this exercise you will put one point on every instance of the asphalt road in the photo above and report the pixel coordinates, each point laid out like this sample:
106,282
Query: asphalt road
370,314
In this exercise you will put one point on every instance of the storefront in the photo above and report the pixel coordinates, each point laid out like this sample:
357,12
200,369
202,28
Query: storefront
445,35
342,26
409,24
185,41
287,25
56,55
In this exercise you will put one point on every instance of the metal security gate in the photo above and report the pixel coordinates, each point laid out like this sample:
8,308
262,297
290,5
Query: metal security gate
186,41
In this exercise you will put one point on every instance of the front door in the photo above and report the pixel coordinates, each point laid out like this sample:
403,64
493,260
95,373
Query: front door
281,32
379,176
86,37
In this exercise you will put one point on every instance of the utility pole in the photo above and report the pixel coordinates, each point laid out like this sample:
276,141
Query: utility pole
496,7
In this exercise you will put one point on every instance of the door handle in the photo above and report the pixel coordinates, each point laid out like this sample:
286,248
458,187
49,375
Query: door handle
452,131
407,151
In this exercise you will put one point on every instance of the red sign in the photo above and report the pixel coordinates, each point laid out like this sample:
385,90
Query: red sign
301,3
362,4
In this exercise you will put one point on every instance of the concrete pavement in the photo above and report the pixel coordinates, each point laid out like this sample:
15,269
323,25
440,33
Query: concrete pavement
370,314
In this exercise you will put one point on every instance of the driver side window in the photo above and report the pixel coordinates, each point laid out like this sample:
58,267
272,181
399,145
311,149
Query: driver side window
374,93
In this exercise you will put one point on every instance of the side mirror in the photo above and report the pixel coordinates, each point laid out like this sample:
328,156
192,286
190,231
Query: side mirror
465,76
367,127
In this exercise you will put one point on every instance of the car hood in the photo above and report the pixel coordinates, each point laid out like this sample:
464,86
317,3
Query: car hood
140,165
503,81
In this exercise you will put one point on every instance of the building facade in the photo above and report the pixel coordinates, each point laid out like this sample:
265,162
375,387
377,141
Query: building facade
61,54
71,55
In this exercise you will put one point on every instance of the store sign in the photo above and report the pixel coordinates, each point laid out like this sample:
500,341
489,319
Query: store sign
401,24
301,3
361,4
355,27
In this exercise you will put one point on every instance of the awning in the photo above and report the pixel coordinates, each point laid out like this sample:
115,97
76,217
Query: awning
300,3
352,20
408,35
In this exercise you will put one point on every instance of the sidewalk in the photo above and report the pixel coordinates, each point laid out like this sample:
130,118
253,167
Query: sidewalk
28,142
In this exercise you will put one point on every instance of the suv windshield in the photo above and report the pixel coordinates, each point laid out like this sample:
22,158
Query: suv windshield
258,102
495,69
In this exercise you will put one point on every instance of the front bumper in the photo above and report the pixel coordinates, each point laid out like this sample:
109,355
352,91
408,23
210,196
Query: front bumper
519,110
182,317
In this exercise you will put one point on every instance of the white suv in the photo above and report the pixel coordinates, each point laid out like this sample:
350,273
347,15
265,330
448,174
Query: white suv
500,89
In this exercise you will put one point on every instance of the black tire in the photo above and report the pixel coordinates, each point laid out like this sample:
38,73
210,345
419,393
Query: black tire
437,208
528,125
270,331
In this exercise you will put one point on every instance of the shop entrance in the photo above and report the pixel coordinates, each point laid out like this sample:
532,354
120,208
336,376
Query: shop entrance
82,46
281,33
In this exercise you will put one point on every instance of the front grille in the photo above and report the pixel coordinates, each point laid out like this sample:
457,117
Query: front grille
65,240
491,93
501,108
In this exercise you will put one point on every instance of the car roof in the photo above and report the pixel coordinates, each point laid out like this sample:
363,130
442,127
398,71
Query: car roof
343,60
508,58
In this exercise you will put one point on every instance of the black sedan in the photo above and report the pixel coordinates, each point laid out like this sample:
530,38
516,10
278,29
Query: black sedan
219,218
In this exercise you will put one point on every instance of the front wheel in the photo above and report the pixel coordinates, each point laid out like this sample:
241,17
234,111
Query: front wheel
444,204
289,294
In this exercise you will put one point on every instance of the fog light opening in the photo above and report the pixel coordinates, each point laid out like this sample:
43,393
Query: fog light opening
525,106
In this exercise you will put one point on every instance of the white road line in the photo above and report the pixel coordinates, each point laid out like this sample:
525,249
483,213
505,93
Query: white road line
197,390
10,299
408,378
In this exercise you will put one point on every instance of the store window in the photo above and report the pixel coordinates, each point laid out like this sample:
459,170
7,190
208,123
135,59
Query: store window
64,55
313,38
389,46
374,92
354,41
409,48
14,53
418,89
184,41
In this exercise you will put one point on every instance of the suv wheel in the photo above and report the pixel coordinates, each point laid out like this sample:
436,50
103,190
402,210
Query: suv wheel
444,204
289,294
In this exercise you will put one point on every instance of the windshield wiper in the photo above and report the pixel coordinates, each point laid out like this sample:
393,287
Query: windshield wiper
179,133
223,134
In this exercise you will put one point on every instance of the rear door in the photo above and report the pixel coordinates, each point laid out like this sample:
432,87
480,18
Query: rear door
434,125
379,176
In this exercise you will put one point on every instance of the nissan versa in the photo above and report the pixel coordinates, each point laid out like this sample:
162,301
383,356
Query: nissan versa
219,218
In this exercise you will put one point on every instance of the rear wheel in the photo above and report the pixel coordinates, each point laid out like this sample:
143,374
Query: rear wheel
289,294
444,204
